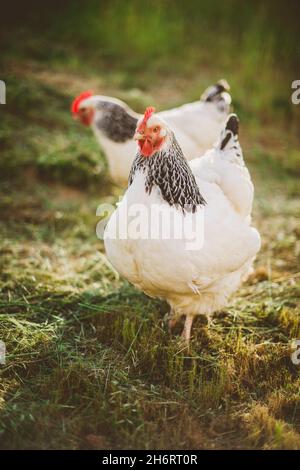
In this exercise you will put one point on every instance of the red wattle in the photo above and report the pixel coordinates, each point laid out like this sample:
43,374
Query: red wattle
147,148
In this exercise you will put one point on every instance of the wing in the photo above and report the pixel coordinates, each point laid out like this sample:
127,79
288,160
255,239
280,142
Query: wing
224,165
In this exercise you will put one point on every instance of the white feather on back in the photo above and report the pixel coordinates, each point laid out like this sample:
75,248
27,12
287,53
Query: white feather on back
193,282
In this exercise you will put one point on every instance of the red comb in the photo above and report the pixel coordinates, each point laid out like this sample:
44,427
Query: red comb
148,112
78,99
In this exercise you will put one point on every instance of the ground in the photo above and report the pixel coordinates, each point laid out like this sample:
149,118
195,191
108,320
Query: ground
90,363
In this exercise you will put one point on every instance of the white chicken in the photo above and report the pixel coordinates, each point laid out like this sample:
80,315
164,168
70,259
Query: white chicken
210,246
196,125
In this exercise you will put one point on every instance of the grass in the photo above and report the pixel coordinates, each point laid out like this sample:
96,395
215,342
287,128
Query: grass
90,363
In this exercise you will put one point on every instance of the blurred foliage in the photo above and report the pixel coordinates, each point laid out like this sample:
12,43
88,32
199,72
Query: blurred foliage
155,29
135,49
90,362
142,35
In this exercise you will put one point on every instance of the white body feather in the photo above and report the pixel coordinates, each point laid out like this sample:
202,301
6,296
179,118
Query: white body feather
193,282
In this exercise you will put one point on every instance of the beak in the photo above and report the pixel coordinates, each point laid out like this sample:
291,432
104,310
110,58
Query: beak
138,136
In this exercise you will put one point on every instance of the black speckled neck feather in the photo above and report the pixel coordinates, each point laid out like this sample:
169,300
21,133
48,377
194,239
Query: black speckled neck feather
169,170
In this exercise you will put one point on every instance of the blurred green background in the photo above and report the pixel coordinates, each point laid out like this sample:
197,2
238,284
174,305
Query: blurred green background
89,361
163,52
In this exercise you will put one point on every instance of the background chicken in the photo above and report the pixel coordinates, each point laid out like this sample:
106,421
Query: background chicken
215,190
197,125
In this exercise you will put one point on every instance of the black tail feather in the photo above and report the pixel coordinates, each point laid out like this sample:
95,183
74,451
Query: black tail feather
230,132
232,124
214,92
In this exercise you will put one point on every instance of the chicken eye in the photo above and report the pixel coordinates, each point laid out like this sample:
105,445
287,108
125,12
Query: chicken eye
156,129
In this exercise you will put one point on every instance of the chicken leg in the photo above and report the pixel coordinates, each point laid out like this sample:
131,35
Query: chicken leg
172,320
186,333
